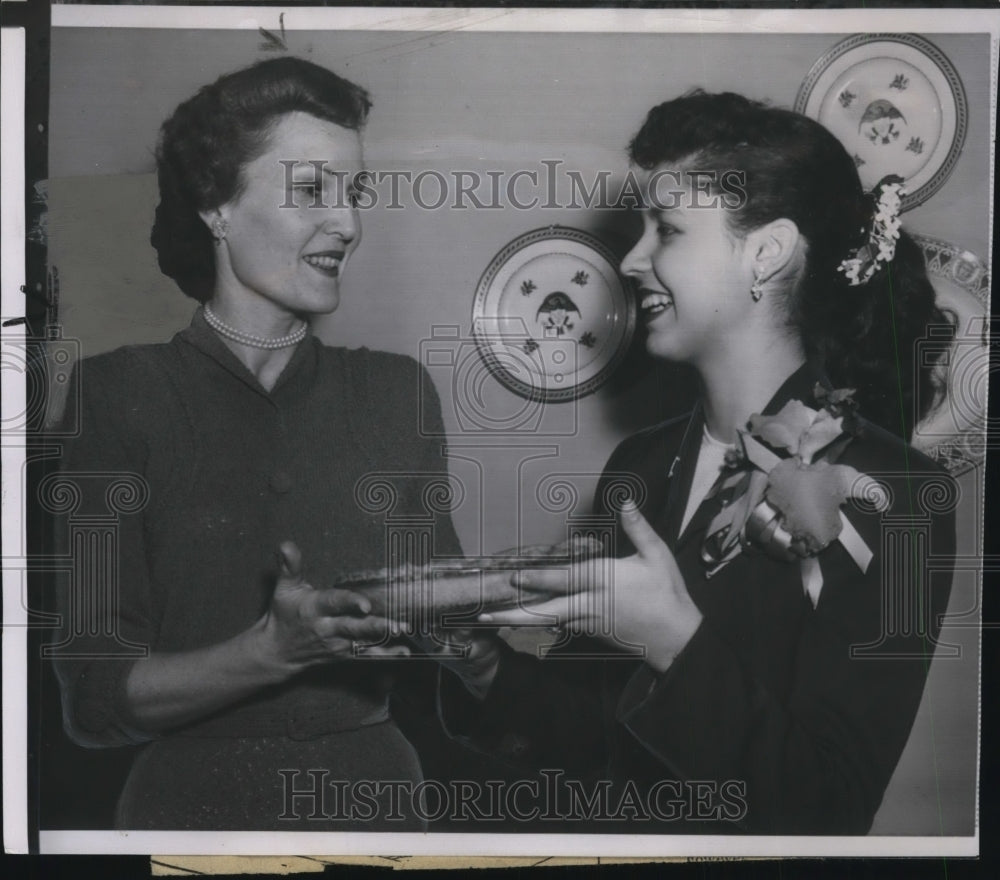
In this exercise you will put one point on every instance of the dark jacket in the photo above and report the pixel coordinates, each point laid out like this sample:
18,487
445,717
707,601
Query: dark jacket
777,716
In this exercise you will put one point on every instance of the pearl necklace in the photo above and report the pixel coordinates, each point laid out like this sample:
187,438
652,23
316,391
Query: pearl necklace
252,339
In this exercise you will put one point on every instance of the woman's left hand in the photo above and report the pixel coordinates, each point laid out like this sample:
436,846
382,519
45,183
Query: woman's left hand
640,600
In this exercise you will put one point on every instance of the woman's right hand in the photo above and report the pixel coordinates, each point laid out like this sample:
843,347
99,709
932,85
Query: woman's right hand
305,626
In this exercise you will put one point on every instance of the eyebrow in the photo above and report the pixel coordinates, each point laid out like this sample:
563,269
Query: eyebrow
301,164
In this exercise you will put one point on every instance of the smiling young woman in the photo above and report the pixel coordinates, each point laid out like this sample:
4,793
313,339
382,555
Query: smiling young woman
692,272
742,638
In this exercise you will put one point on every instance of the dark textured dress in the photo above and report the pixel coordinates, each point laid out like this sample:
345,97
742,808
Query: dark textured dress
224,471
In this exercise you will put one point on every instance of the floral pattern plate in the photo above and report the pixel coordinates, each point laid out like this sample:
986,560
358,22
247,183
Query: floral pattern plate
954,433
552,317
896,103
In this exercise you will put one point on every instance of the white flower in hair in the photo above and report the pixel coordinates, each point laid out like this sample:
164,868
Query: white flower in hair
882,237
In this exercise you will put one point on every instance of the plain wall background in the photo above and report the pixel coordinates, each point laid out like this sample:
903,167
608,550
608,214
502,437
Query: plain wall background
499,101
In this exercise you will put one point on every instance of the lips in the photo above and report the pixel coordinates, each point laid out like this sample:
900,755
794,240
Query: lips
653,303
327,262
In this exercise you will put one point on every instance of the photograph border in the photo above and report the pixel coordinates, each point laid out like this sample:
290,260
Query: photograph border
17,832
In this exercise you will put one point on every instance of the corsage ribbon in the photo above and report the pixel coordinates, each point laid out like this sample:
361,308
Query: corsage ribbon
791,507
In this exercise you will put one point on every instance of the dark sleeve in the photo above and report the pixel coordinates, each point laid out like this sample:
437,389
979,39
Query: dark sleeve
406,427
105,609
817,759
432,459
539,713
421,448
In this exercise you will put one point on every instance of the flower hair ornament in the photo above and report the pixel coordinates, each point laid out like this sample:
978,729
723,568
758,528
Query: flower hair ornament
883,235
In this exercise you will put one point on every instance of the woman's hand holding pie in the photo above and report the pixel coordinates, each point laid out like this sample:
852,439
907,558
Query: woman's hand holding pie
640,600
304,625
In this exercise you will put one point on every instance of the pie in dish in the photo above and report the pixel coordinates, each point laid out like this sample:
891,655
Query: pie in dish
421,594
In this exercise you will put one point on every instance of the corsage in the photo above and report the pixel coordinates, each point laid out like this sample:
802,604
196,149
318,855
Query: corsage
790,508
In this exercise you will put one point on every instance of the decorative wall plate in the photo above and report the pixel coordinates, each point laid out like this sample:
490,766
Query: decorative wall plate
896,103
954,433
552,317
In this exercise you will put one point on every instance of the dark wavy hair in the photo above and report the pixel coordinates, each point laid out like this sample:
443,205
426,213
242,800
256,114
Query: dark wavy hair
795,169
207,141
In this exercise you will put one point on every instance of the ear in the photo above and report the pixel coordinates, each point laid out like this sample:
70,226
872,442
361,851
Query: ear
772,248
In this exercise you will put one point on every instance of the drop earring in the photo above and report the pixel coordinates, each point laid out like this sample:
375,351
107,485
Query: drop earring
757,288
219,229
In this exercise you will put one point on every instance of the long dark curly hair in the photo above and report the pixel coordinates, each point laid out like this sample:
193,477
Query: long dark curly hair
209,138
865,335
